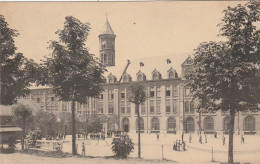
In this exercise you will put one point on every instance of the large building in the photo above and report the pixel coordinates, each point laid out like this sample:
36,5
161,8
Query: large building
168,106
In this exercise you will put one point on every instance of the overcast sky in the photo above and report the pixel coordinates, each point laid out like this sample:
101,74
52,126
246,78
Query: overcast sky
142,29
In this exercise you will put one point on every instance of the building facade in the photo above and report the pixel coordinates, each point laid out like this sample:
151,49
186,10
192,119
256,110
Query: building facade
168,106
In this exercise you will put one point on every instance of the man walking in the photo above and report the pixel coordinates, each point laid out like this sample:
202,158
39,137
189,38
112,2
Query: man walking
83,149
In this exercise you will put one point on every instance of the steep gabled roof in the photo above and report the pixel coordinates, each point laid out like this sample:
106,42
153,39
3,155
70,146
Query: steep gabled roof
107,28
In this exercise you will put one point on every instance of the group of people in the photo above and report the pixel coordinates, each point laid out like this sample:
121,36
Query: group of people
58,136
83,134
178,144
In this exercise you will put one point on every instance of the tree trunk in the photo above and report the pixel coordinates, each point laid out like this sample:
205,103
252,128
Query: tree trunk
139,137
231,130
200,122
23,134
73,128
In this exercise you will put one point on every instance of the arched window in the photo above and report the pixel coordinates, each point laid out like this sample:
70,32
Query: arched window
140,77
171,123
105,58
141,124
208,124
155,76
155,124
125,79
187,107
192,106
190,126
38,99
249,123
125,125
171,75
226,124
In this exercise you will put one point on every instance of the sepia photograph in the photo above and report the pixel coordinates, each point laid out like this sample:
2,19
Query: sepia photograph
130,82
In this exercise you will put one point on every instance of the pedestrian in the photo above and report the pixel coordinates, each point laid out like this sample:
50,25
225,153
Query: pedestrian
215,135
205,138
84,134
83,149
242,139
64,135
200,139
184,145
223,139
178,145
158,136
190,138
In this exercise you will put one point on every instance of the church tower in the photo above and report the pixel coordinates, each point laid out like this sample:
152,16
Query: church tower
107,45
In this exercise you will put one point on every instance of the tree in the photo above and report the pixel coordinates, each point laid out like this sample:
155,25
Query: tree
73,73
226,75
16,72
46,122
137,96
22,112
94,124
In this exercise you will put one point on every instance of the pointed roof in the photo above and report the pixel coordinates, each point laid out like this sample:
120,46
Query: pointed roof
107,28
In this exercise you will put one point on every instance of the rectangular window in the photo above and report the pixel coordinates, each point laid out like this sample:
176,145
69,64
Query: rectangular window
110,107
168,93
158,107
128,108
110,95
122,107
122,95
100,108
151,93
174,106
52,98
151,106
143,108
158,92
101,96
168,106
175,92
64,106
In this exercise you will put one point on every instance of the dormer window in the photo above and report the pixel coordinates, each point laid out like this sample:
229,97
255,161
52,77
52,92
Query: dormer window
111,78
171,75
140,77
155,76
126,78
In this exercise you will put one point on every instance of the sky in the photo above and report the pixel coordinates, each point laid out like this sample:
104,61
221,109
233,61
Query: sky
142,29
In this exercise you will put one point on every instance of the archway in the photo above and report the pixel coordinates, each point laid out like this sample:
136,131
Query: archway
155,124
208,124
249,123
190,126
226,124
171,124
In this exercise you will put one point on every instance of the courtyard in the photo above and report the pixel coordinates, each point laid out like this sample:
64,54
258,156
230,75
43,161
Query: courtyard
154,150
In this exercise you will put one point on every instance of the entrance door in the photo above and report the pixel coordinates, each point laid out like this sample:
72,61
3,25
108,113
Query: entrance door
190,126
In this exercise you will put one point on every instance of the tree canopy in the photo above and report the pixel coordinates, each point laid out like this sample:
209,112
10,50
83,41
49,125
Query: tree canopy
16,71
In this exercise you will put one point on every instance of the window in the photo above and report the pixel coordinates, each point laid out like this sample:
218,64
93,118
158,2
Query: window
64,106
110,95
100,108
111,80
151,93
192,106
168,92
174,106
155,76
155,124
249,123
143,108
226,124
109,59
158,107
171,75
125,79
140,77
105,58
128,108
110,107
122,107
151,106
171,123
38,100
187,107
52,98
158,92
190,125
208,124
175,93
168,106
101,96
141,124
122,95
